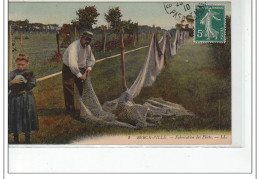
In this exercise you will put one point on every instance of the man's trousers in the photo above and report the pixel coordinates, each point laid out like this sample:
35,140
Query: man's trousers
68,80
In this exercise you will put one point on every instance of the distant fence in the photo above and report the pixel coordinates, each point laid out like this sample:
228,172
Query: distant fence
100,60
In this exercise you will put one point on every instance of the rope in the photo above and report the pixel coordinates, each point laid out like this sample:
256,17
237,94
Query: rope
100,60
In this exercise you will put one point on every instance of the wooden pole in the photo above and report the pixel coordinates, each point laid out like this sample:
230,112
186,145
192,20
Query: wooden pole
75,35
134,37
21,43
142,36
219,114
137,33
177,40
154,32
123,58
58,42
10,50
104,39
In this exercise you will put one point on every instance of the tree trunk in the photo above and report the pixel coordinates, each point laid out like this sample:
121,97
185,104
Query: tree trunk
58,42
142,36
21,43
123,58
137,34
10,50
219,114
177,40
104,39
134,37
75,33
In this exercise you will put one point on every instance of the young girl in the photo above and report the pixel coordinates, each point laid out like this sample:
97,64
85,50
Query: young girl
22,115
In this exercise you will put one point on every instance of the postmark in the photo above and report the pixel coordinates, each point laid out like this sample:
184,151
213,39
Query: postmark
210,25
182,10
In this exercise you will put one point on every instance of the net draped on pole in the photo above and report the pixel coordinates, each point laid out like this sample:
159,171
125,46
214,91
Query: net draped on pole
123,111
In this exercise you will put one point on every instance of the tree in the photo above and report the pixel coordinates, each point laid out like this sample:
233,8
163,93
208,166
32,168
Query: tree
178,26
86,18
20,25
66,32
129,27
183,24
190,21
113,18
222,51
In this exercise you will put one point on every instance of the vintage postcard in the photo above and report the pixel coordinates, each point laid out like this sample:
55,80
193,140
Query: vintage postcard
124,73
127,87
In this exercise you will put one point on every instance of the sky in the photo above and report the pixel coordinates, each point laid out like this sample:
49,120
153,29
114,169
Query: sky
145,13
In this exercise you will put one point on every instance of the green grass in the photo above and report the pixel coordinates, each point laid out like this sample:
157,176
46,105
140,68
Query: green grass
41,47
188,79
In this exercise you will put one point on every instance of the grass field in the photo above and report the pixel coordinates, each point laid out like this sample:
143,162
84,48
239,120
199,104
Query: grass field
41,47
189,79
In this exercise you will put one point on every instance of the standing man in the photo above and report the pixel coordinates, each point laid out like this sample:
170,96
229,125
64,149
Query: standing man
78,61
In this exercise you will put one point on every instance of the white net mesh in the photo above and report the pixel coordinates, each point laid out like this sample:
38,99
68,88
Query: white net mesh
123,111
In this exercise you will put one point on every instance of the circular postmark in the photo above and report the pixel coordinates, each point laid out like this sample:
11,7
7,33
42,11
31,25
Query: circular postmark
184,10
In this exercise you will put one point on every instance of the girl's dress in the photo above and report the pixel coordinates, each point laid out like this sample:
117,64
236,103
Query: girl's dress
22,114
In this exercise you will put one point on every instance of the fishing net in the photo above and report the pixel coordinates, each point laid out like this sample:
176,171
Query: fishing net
123,112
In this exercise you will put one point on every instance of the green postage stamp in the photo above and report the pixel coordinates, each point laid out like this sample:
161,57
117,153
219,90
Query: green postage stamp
210,24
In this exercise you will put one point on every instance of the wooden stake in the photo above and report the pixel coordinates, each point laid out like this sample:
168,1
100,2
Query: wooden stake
137,34
75,35
58,42
134,37
219,114
10,50
21,43
177,40
142,36
104,39
123,58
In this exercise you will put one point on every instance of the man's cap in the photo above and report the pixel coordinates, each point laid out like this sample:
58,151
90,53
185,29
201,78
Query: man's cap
87,34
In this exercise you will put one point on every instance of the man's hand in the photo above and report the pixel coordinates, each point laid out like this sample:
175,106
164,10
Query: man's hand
83,77
16,80
88,71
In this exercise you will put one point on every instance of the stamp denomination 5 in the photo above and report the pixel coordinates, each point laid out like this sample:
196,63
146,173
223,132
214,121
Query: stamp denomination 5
210,26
